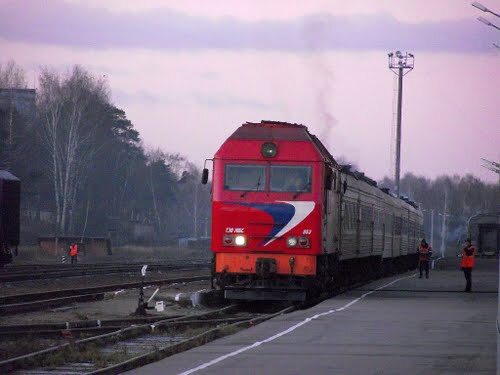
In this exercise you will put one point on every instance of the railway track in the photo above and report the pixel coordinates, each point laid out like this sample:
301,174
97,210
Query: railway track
116,350
38,272
36,301
75,328
135,346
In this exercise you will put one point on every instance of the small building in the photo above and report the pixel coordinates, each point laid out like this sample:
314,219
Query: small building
484,231
87,246
127,231
141,232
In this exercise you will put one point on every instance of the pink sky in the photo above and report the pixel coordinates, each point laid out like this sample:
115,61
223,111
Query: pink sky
188,73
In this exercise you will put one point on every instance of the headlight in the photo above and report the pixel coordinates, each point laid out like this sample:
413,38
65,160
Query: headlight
228,240
304,241
291,241
240,240
269,150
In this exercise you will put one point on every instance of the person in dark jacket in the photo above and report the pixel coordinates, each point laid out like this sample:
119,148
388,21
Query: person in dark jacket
424,254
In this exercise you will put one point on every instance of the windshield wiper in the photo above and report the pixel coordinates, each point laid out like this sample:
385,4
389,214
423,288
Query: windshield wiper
252,189
302,190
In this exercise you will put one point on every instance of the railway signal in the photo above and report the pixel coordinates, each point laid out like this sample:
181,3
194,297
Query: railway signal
141,305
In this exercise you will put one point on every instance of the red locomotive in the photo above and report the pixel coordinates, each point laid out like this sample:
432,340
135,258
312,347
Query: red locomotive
288,221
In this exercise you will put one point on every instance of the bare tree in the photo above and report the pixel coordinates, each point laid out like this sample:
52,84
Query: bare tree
12,76
155,156
176,162
69,106
195,202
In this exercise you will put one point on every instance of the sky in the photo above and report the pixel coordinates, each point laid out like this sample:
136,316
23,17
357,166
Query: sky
188,73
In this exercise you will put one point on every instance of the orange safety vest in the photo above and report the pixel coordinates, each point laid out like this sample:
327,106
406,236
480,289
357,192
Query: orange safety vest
468,261
73,250
423,252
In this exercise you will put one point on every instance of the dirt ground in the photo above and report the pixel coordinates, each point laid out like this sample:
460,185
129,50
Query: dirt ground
33,286
120,304
117,305
124,254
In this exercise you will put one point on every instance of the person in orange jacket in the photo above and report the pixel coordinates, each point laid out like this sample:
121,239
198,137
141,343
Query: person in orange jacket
73,253
424,254
467,263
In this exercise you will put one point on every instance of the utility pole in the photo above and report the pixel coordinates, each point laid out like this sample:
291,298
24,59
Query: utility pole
400,65
482,8
444,224
432,228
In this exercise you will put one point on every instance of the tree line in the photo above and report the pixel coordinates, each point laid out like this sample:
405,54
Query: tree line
448,202
85,170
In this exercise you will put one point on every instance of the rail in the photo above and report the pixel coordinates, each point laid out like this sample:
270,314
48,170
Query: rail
147,342
35,301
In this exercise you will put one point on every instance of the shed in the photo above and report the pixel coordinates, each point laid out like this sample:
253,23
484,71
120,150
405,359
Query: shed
484,230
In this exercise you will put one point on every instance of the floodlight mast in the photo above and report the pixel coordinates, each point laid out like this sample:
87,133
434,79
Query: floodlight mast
487,23
400,65
482,8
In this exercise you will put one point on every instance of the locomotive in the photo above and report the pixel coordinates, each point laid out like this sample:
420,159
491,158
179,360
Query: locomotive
288,221
10,194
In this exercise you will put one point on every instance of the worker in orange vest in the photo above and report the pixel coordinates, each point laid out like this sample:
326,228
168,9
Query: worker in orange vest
424,254
467,263
73,252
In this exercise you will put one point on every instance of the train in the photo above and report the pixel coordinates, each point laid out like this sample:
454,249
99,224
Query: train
10,198
289,222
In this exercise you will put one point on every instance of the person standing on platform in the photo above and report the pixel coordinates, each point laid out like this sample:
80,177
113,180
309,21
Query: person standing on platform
424,254
73,253
467,263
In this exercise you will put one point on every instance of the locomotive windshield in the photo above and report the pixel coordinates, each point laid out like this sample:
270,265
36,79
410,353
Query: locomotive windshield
290,178
245,177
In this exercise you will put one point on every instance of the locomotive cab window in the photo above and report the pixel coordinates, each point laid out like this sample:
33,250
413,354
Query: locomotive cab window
290,178
245,177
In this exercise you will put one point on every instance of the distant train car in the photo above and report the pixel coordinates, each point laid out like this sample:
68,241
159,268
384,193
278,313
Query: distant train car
288,221
10,195
484,231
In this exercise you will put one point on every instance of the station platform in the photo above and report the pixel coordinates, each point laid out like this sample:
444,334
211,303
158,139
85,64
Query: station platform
396,325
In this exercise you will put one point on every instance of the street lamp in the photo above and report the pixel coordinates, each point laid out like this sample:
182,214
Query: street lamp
482,8
487,23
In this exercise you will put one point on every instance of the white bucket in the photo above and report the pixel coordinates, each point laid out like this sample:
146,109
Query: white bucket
160,306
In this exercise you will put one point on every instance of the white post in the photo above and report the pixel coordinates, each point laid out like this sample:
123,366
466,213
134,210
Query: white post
432,228
443,226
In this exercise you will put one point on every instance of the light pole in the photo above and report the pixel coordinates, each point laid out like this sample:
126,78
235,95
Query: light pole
444,224
487,23
482,8
400,65
432,228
